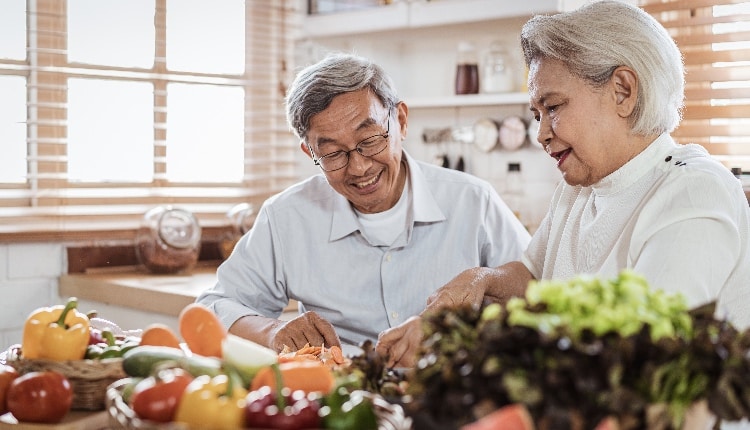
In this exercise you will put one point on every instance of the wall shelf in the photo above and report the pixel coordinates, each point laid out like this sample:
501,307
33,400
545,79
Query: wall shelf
468,100
403,15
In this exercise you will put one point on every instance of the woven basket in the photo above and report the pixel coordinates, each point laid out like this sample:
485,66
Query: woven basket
89,379
121,417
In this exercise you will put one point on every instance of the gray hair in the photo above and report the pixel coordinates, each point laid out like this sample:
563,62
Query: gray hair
315,87
599,37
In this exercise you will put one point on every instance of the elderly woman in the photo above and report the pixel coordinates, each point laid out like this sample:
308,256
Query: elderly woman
606,86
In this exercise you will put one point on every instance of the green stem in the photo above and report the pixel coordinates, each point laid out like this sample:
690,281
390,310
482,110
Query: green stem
72,304
280,402
109,337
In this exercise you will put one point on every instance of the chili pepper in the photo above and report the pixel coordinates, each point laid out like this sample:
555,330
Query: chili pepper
111,347
214,403
56,333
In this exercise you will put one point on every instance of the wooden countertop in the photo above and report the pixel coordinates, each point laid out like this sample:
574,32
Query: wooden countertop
138,289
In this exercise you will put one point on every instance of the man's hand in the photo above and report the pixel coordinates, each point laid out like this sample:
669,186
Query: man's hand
308,328
401,343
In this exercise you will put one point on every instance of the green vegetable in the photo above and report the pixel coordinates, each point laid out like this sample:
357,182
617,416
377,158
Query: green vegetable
576,351
141,361
111,347
344,410
623,305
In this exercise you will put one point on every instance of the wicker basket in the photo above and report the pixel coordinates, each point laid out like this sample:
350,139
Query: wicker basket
89,379
121,417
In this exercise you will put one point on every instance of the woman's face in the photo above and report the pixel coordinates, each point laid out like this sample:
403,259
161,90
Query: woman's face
372,184
579,126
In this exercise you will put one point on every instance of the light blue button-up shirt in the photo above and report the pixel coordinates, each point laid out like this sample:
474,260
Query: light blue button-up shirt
306,244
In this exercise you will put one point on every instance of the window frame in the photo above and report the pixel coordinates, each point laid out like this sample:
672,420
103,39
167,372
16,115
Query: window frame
714,117
50,208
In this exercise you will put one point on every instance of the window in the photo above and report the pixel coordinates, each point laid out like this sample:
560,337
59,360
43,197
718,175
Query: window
110,108
714,37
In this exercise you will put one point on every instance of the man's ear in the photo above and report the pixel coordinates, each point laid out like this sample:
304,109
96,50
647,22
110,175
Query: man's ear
305,148
625,87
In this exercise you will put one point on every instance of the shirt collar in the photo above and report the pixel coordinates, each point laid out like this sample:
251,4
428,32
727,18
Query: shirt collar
423,208
634,169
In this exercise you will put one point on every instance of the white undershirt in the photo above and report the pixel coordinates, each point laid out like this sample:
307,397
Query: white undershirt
383,228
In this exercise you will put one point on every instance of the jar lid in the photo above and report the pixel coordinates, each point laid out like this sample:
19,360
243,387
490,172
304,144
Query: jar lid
178,228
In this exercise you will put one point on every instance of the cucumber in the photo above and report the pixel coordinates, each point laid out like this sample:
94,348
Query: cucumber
141,361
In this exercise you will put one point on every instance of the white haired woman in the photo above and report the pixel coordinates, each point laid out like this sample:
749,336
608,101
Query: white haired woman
606,85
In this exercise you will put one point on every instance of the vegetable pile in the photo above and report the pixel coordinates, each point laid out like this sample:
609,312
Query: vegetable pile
221,381
576,352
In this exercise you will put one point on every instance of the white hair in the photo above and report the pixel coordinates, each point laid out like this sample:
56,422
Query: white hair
599,37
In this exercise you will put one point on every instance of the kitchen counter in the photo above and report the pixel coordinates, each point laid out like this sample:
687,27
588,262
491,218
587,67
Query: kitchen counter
134,288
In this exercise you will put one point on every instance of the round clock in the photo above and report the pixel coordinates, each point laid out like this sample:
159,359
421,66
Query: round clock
485,134
512,133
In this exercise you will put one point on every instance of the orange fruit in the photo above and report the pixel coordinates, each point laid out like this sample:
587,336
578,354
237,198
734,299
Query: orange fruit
202,330
159,335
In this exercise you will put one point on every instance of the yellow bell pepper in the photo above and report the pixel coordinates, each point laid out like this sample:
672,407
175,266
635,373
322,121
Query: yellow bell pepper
216,403
56,333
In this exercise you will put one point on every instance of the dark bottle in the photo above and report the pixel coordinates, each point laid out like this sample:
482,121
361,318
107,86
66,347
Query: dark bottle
467,69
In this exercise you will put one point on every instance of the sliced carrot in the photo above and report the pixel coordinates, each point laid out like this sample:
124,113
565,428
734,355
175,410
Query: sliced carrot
308,376
159,335
202,330
337,355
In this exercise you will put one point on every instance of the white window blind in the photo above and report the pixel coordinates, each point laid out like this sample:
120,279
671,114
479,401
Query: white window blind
183,105
714,37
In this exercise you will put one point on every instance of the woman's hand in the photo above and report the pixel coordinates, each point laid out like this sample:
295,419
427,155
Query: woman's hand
466,289
400,343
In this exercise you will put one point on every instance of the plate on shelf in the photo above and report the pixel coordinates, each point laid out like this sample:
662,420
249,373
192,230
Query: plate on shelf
486,134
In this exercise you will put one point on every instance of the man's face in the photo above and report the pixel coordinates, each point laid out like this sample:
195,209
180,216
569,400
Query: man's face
372,184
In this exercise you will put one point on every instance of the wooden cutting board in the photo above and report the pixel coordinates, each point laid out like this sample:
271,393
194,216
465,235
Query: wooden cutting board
75,420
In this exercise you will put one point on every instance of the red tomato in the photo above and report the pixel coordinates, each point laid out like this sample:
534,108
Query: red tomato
40,397
7,375
156,398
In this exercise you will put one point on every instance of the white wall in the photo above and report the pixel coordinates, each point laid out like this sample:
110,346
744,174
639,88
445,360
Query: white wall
29,280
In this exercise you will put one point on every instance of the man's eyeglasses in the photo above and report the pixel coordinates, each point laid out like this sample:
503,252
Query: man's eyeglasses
369,147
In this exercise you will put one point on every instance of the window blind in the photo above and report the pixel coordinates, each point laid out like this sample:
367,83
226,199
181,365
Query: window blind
48,202
714,37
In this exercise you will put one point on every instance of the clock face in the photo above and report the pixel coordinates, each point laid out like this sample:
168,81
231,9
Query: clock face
512,133
485,134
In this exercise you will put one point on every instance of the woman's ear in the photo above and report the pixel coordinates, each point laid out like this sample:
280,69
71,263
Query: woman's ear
625,86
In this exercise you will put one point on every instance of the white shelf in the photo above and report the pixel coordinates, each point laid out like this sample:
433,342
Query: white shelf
468,100
403,15
446,12
394,16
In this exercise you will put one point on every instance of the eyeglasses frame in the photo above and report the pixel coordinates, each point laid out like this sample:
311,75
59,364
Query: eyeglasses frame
385,136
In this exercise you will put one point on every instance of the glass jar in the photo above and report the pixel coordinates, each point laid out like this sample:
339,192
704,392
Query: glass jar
241,218
497,76
168,240
467,69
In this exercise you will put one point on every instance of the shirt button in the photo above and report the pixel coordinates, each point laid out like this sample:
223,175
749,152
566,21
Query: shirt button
388,258
394,315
